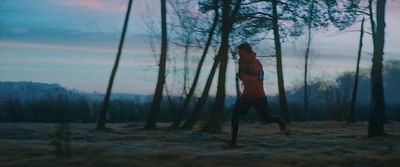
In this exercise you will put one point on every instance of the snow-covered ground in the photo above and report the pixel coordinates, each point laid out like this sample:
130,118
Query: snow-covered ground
311,144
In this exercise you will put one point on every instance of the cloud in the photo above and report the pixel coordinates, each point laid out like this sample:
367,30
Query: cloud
111,50
18,30
97,5
142,7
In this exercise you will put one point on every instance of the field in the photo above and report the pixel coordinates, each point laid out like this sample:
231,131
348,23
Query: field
311,144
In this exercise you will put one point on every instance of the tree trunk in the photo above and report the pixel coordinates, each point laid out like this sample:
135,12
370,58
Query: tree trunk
281,86
104,108
62,140
356,76
156,104
306,104
237,81
188,98
214,121
186,66
377,117
198,109
306,58
372,21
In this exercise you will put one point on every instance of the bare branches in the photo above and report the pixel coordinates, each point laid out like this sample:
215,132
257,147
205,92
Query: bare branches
349,31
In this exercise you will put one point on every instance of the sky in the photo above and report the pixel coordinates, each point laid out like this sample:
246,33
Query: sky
73,43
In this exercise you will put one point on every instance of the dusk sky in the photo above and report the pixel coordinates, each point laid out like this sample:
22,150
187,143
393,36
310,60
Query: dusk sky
73,43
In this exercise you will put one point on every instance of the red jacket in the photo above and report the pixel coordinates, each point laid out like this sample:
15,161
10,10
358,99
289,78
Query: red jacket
252,74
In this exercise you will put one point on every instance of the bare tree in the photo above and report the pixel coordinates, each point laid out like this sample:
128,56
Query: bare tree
157,98
189,96
104,108
184,34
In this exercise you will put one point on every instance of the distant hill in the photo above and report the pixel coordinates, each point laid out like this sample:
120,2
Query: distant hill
338,90
27,91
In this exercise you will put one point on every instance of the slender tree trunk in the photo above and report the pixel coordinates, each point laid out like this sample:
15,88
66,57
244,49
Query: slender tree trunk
171,104
186,66
281,86
198,109
306,58
156,104
188,98
62,140
237,81
377,117
372,21
356,76
104,108
306,104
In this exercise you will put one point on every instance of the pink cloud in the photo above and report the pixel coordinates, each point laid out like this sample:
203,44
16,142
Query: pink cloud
140,7
97,5
18,30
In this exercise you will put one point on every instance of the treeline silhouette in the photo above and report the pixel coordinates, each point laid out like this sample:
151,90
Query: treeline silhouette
329,100
49,110
122,111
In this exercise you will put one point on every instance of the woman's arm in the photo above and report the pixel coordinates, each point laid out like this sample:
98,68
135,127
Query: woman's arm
255,67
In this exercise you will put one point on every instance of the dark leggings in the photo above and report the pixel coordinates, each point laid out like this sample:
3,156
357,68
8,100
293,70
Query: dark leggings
242,107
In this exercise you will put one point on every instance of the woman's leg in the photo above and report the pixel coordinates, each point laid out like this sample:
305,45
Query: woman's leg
241,107
261,104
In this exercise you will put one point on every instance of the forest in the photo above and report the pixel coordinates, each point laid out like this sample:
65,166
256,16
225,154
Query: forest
351,119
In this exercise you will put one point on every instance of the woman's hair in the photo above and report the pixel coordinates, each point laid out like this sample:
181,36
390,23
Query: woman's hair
245,47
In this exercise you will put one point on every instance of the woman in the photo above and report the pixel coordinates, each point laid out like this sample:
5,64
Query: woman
252,75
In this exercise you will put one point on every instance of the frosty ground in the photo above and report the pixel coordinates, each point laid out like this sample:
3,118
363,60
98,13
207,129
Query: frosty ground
311,144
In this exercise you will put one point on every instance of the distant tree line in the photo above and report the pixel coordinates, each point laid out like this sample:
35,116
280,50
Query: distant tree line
333,108
329,100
